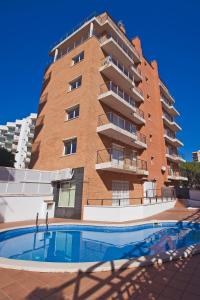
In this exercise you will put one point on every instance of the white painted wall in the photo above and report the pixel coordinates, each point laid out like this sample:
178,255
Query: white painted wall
124,213
21,208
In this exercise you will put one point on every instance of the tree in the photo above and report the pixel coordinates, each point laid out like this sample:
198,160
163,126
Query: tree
192,170
7,158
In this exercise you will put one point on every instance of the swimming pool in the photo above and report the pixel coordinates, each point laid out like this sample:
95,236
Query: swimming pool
88,243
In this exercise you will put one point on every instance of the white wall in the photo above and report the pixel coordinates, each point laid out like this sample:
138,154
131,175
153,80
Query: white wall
125,213
21,208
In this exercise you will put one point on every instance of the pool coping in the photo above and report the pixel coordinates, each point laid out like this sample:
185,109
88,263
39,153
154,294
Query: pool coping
99,266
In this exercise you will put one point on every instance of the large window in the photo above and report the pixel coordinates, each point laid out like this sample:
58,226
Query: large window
78,58
76,83
70,146
72,112
67,195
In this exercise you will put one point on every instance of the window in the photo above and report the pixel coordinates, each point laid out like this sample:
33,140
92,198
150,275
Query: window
78,58
67,195
70,146
75,83
72,112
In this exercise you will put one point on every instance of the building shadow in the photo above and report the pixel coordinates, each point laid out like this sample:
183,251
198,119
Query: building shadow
170,280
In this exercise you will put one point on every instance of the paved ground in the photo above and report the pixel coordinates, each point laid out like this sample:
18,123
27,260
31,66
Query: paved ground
174,280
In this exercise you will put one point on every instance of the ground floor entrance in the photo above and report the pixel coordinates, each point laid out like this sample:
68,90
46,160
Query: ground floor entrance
68,196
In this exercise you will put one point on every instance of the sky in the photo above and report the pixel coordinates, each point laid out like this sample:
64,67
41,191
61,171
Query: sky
169,32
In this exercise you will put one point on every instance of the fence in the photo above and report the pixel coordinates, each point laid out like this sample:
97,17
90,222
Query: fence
26,181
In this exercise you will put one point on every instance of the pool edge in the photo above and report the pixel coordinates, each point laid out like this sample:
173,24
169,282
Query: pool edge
99,266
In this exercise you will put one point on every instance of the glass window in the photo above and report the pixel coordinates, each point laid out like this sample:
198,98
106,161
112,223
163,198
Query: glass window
70,146
73,112
67,195
75,83
78,58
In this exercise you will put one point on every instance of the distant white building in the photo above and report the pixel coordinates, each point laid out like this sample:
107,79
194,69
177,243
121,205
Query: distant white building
196,156
17,137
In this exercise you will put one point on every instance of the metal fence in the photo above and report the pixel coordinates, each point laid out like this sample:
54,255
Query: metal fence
26,181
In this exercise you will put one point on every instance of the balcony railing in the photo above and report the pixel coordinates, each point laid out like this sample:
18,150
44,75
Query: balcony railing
124,158
176,172
73,45
170,134
168,117
118,40
110,86
111,59
113,118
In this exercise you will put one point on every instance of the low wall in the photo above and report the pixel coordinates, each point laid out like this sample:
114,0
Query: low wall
194,194
21,208
124,213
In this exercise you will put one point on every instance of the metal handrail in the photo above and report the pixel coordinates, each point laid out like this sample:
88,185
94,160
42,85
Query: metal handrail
111,59
117,39
36,221
126,158
124,201
115,119
111,86
47,224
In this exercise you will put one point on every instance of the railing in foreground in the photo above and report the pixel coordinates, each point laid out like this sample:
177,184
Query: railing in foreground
130,201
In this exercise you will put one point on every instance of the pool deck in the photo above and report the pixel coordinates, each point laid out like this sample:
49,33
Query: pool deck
173,280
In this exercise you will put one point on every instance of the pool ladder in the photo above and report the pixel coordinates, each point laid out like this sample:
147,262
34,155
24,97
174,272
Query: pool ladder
36,221
46,221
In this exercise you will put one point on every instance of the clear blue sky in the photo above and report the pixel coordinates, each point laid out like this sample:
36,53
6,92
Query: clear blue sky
169,30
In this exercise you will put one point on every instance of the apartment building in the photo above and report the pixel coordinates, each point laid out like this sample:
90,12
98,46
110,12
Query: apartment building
196,155
17,137
105,112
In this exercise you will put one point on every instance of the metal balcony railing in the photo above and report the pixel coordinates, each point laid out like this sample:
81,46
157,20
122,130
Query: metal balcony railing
111,86
111,59
166,101
176,172
121,157
168,117
113,118
127,49
170,134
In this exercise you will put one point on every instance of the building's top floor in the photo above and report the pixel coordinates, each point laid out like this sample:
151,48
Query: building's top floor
97,26
105,29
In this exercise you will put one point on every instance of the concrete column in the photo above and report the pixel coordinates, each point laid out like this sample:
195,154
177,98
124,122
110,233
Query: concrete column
91,29
55,55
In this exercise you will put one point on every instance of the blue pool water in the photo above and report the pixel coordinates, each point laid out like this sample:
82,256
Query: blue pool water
83,243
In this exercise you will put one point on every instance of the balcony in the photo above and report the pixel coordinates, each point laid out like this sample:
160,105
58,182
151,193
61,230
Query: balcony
116,71
165,91
111,43
169,121
176,174
169,107
115,127
115,97
171,138
121,161
137,73
174,157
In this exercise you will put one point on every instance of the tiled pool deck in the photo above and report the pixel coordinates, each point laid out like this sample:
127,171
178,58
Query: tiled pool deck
175,280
